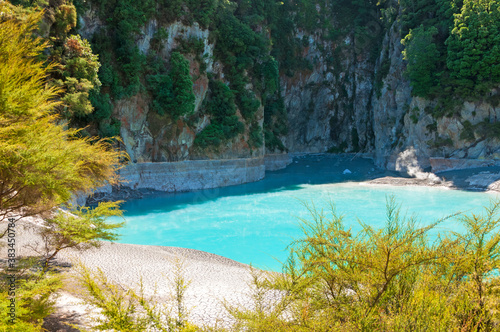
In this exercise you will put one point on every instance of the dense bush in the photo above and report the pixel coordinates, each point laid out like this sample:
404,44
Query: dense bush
240,48
275,122
421,53
451,47
224,124
173,91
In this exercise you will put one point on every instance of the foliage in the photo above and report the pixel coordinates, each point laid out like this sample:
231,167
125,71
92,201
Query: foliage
256,138
484,129
81,229
123,61
451,47
37,176
224,124
381,74
201,11
159,37
396,278
275,125
43,163
173,92
77,75
467,133
239,48
421,54
35,298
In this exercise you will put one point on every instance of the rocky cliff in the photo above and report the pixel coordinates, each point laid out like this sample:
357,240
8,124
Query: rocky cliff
352,96
402,121
366,105
146,136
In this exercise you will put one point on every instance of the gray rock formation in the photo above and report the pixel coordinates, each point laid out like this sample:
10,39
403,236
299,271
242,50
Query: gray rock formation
348,101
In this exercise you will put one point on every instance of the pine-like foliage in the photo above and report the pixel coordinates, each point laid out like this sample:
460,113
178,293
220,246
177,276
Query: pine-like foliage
41,162
474,47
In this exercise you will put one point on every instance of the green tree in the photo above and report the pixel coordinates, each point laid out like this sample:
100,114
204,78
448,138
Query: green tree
182,86
64,20
173,92
474,48
224,123
396,278
35,298
41,163
129,310
422,57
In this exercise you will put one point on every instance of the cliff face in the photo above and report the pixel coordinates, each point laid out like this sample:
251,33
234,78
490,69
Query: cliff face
342,109
402,122
146,136
353,98
328,106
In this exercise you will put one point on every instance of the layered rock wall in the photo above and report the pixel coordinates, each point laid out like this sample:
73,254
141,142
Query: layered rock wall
274,162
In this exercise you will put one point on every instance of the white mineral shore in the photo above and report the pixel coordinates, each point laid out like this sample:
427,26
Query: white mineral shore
213,279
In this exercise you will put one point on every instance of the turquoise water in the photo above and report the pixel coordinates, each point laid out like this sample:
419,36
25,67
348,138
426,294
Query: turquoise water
254,223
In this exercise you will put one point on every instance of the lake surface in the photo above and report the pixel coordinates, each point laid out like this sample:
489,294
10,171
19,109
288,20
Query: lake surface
254,223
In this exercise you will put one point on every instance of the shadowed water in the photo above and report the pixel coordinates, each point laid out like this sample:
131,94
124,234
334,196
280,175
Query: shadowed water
254,223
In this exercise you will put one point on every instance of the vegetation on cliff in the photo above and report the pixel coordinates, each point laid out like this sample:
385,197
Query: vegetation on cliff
400,277
255,41
53,82
452,48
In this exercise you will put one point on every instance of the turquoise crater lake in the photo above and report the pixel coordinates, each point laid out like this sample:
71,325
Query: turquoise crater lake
254,223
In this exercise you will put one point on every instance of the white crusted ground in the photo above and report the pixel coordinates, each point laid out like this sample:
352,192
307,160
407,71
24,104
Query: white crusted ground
213,278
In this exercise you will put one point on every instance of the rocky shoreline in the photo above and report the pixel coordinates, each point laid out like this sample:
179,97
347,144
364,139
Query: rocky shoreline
473,179
485,178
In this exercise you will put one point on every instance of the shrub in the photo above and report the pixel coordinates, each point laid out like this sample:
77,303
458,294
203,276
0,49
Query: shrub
172,92
224,123
399,277
129,310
